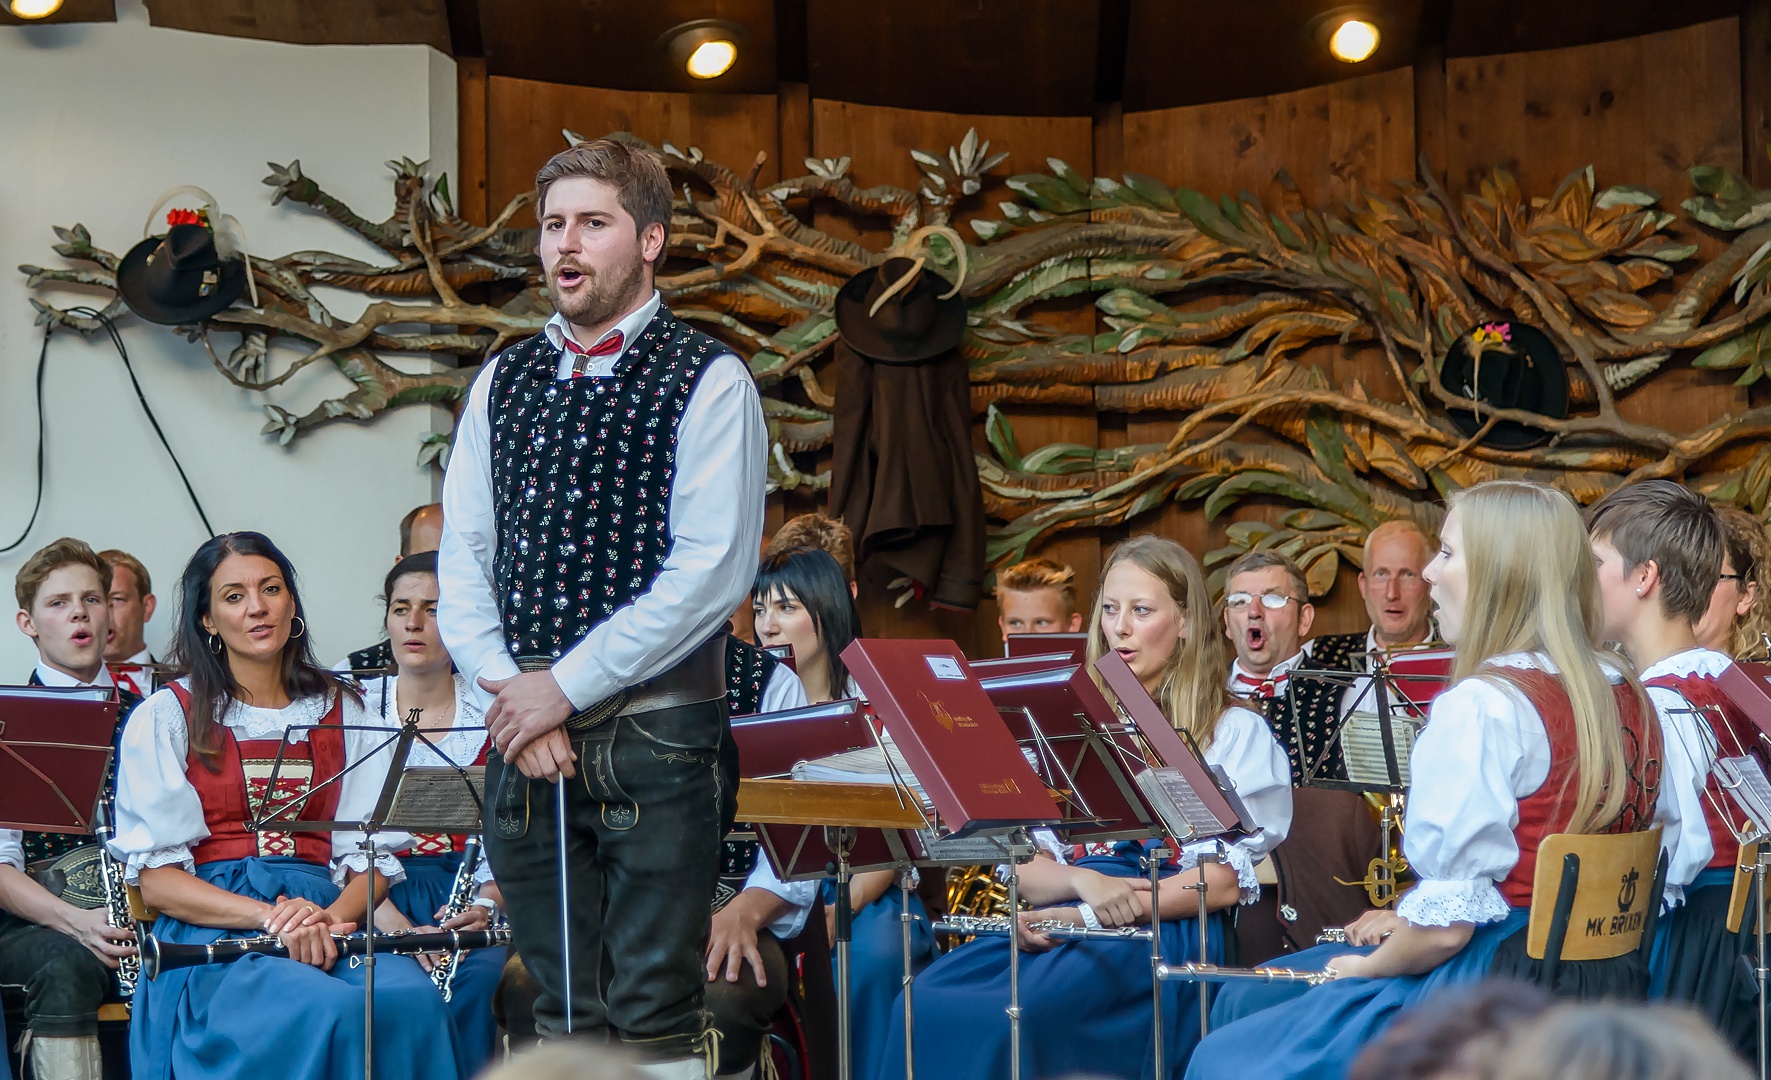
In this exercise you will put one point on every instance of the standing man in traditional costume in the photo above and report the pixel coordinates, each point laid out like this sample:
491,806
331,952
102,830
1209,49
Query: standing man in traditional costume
602,512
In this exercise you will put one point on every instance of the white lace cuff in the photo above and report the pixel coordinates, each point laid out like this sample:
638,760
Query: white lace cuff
482,874
1246,880
356,862
1442,903
1047,841
179,856
1673,897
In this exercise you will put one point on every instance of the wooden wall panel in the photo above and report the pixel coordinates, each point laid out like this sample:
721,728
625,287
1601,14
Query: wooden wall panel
1332,139
878,141
524,119
1639,111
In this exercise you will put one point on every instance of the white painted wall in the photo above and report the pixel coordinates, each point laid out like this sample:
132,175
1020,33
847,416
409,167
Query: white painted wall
95,122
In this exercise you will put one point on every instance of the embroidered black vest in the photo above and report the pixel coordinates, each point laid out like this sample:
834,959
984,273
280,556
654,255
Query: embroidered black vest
581,478
748,670
1306,716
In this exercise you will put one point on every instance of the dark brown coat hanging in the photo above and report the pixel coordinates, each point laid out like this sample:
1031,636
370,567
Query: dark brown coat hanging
903,478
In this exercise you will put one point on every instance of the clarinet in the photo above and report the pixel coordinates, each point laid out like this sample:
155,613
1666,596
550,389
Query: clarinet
161,956
461,897
117,911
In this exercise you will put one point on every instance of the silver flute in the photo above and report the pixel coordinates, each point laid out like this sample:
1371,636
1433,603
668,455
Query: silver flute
461,897
1002,926
1214,973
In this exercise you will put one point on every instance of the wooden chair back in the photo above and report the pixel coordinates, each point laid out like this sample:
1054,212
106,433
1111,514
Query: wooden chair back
1599,890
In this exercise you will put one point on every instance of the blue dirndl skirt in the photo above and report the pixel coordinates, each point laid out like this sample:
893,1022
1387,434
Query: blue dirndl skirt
1318,1033
419,898
270,1016
1697,961
1085,1005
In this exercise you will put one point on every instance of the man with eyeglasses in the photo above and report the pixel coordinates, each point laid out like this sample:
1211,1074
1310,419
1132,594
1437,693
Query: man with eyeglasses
1267,613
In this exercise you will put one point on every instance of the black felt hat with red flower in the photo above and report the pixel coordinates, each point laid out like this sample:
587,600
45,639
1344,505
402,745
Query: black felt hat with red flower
182,277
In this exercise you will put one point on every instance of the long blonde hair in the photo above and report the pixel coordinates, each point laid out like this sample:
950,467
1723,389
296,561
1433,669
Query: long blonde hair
1533,587
1192,693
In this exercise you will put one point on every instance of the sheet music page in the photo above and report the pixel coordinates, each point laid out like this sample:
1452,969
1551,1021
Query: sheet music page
56,693
1744,778
1169,790
1362,746
436,800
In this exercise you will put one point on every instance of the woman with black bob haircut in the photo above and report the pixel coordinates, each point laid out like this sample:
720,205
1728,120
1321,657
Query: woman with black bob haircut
801,600
194,765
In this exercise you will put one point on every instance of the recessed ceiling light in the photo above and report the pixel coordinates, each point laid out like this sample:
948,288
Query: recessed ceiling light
34,9
705,48
711,59
1353,40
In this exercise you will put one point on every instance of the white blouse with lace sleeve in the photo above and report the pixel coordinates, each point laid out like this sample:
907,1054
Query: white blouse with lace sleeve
1483,749
159,814
1244,747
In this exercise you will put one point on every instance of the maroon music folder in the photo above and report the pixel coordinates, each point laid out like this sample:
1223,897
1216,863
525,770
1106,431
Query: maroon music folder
1095,754
1203,803
55,748
1420,676
771,744
1748,685
998,666
950,735
1076,645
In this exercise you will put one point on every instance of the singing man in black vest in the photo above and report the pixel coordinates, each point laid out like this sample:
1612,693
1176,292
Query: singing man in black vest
602,513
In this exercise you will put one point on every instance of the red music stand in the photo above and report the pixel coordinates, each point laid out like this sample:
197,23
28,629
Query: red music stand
55,749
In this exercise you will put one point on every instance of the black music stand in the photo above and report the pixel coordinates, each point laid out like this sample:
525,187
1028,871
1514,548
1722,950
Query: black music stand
424,793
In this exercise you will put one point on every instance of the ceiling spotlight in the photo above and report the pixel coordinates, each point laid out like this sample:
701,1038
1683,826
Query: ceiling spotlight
706,48
1353,40
34,9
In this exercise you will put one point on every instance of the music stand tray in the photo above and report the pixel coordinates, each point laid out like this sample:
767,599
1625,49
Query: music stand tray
56,745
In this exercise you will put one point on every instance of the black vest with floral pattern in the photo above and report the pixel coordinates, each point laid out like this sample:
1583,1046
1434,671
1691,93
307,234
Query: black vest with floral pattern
581,478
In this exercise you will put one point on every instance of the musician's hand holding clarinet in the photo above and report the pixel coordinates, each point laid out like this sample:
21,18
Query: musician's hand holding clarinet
305,929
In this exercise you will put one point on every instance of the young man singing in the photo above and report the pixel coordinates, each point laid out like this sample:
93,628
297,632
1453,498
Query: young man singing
601,516
55,958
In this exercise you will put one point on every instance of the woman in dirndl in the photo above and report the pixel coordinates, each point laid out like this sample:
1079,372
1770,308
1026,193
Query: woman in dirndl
1538,734
196,768
1086,1005
452,734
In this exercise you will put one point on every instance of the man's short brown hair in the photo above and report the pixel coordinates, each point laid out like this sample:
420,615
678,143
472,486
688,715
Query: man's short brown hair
1031,575
1677,529
636,174
818,531
1251,561
64,552
144,586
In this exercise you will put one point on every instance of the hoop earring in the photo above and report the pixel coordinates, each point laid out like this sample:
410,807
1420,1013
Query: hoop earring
214,644
301,628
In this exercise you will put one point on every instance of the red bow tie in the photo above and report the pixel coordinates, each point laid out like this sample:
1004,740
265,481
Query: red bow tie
1256,687
124,675
609,346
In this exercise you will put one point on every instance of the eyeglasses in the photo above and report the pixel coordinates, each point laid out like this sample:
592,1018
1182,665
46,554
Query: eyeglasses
1733,577
1272,601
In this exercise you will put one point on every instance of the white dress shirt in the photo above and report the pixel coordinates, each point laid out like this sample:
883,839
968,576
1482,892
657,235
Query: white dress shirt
49,676
159,815
1690,755
1483,749
716,525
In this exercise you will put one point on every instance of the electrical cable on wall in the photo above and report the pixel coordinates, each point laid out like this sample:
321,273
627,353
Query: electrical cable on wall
116,337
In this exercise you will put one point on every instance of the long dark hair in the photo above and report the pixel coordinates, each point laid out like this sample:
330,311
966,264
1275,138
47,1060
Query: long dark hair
212,680
813,577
